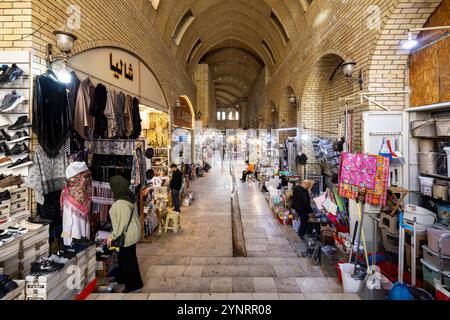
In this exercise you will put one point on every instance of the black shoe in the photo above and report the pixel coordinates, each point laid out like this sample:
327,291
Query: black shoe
18,137
17,150
45,267
4,136
6,284
4,148
25,162
10,74
5,196
21,123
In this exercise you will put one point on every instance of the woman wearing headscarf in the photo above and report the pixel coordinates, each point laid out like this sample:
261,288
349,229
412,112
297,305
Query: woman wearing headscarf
301,203
125,221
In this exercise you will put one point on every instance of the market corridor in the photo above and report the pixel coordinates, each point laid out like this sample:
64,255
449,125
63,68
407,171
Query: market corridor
198,263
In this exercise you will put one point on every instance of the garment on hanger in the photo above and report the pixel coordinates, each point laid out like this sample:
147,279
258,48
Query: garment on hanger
97,110
136,119
51,115
110,114
75,201
73,86
82,119
46,175
128,117
119,112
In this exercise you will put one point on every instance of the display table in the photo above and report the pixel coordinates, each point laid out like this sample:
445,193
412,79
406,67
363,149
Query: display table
62,284
16,257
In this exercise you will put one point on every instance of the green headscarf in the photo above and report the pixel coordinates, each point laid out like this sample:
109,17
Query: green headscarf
121,189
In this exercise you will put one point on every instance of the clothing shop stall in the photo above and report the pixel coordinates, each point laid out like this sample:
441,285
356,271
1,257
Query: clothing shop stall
87,127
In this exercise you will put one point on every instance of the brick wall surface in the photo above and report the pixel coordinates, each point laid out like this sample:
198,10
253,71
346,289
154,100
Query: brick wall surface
118,23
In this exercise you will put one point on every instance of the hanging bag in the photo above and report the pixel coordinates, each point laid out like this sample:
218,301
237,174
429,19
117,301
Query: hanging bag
120,241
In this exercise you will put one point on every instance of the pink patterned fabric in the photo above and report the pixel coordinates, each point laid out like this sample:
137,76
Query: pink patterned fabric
358,170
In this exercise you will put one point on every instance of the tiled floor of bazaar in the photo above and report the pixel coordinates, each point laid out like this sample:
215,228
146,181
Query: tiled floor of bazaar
198,263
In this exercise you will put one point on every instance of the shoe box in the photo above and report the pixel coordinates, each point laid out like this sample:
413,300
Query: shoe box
60,285
16,257
5,210
17,207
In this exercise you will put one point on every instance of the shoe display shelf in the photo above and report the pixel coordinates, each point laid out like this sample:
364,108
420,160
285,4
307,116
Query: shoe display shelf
16,294
66,283
16,257
19,208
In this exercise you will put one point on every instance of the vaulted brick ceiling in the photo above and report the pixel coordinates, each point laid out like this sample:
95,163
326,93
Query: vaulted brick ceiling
237,38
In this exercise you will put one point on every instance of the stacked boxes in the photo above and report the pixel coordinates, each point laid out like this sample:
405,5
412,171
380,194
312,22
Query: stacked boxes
16,257
15,209
67,282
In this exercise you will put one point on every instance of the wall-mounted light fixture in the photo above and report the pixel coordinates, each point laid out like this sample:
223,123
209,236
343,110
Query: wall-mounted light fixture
348,68
64,42
411,43
178,103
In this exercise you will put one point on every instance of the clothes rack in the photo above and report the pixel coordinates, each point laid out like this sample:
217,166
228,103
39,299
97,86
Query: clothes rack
141,98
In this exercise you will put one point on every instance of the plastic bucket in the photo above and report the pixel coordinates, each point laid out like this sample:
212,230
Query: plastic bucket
425,218
350,285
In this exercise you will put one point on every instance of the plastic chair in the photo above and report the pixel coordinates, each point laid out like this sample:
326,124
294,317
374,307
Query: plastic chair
176,221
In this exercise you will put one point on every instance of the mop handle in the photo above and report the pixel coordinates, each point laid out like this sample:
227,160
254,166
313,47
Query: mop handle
363,235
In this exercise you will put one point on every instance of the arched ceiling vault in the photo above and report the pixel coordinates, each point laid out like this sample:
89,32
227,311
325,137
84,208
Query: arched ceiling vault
228,35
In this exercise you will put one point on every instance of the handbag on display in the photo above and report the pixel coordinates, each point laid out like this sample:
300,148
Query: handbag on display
120,241
329,205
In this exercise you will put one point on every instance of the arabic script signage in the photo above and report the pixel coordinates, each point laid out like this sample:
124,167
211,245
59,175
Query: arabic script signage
182,116
120,69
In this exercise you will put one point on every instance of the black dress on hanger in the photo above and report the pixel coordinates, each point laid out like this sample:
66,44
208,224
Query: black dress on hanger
51,114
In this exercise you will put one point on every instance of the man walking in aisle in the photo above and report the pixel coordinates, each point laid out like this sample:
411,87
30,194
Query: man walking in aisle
176,184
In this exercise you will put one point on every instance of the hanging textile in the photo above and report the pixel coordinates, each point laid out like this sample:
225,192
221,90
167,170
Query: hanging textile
377,196
51,115
110,114
128,118
97,110
358,170
46,175
82,119
119,111
73,87
136,119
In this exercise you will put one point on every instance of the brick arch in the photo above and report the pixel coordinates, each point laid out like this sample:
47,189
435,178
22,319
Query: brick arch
387,63
312,101
288,112
86,46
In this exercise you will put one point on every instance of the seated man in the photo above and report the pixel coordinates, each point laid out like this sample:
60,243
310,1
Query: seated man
250,170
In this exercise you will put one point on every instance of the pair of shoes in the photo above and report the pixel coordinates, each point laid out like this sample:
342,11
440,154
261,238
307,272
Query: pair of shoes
5,161
6,284
5,196
45,267
18,137
20,163
18,149
10,74
21,123
11,101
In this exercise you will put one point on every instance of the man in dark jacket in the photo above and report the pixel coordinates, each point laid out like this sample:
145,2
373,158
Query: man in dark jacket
301,203
175,186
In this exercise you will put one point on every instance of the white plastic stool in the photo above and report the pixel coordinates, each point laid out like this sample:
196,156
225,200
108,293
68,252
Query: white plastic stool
176,221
